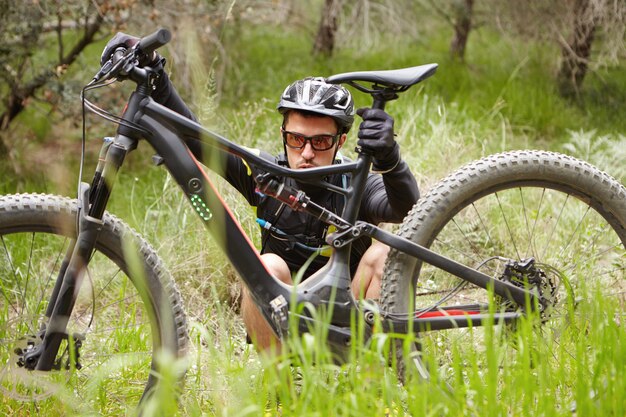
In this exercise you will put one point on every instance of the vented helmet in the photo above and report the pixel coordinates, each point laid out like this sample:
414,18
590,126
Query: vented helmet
313,94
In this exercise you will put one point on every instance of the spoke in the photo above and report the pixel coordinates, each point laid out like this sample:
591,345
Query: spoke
100,292
613,270
108,282
118,354
462,253
530,237
91,363
470,244
10,261
30,257
578,226
504,217
596,237
130,297
588,259
615,294
483,224
103,357
532,233
116,328
104,307
545,248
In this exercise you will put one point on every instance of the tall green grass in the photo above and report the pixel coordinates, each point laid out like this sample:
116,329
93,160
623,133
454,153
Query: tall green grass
463,112
226,378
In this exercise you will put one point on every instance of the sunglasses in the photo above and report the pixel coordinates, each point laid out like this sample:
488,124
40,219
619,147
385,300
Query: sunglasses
318,142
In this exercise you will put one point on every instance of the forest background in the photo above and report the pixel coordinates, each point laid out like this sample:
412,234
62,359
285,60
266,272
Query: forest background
535,74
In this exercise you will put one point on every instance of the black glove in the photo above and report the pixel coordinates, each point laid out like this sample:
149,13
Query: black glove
376,135
126,41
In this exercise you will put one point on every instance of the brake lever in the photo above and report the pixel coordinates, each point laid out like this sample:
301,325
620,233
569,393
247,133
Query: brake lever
113,65
103,71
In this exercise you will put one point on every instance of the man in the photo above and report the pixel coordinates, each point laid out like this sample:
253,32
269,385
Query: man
316,119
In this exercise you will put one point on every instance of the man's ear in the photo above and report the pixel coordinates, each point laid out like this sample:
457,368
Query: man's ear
342,139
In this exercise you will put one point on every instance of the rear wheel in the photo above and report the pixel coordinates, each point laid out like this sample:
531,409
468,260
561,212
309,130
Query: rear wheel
564,216
128,311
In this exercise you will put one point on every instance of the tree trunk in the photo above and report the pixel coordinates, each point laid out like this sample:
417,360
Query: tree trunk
576,52
462,27
325,39
4,150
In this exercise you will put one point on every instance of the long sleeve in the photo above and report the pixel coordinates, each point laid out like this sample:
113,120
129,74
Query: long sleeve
167,95
234,170
389,197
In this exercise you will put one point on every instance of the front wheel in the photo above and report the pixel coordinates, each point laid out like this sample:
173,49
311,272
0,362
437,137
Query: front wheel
562,216
128,316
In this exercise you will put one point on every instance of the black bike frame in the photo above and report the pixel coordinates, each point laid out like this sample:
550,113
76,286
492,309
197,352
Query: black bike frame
167,132
329,285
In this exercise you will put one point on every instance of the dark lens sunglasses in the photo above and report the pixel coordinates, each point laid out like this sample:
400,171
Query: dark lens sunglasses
318,142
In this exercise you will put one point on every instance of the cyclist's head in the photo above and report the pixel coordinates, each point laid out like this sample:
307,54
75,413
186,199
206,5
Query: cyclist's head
314,95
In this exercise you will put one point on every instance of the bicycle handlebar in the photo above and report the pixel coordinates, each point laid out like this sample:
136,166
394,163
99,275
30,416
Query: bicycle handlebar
139,55
154,41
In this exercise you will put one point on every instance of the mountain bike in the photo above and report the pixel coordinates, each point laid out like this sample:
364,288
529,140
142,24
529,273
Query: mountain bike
511,235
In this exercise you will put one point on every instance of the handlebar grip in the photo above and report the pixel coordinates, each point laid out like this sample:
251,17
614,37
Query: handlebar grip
154,41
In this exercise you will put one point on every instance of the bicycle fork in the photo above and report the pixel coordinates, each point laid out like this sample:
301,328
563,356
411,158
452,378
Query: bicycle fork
92,203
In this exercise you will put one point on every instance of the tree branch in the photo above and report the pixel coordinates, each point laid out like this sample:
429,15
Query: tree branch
19,94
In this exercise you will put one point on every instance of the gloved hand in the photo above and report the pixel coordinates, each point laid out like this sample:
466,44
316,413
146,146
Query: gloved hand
126,41
376,134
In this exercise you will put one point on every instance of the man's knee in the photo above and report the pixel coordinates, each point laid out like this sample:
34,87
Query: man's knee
367,279
277,267
257,327
375,257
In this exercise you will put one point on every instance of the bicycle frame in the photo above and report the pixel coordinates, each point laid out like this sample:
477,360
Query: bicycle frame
164,130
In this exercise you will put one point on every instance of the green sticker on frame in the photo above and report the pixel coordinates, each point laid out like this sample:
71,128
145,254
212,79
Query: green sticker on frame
201,208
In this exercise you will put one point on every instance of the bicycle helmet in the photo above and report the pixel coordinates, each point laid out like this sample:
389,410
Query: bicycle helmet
314,94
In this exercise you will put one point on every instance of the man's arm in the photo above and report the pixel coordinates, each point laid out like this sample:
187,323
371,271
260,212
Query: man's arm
235,171
232,168
390,196
167,95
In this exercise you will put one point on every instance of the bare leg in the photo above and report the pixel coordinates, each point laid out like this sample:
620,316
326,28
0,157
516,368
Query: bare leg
369,273
366,284
258,328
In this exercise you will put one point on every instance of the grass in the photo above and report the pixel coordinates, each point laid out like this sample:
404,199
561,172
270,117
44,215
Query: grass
227,379
463,112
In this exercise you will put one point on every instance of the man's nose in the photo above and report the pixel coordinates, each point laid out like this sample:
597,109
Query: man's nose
307,151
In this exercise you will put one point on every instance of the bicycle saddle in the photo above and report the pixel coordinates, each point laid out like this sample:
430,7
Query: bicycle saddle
405,77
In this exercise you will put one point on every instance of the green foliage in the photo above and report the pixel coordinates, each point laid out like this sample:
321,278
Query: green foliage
227,378
502,97
500,78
